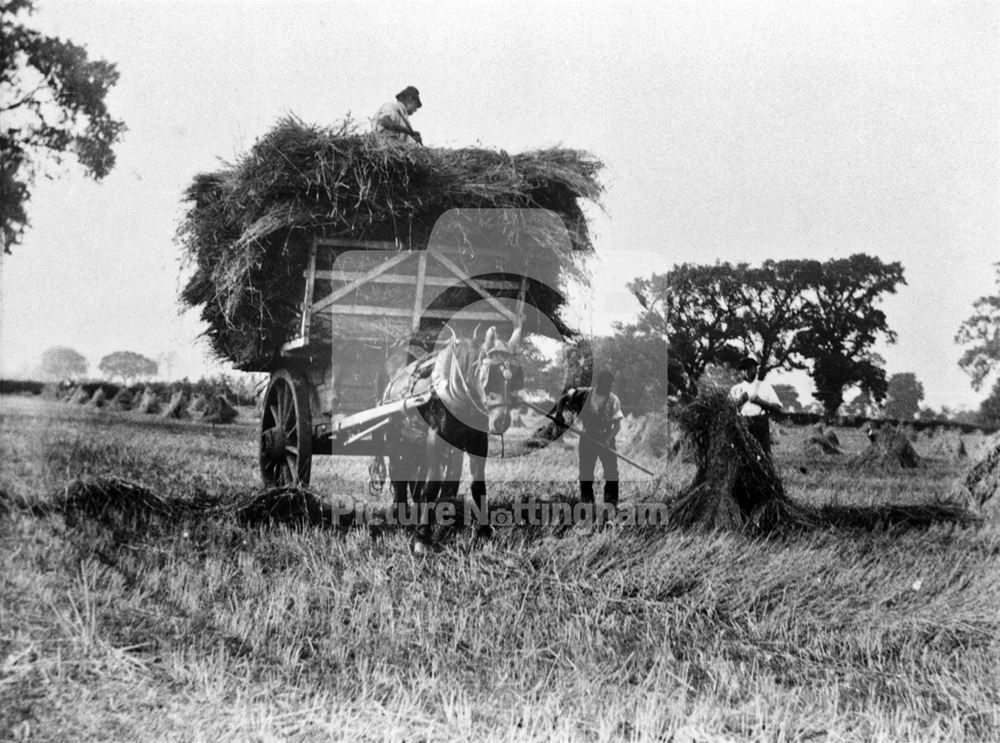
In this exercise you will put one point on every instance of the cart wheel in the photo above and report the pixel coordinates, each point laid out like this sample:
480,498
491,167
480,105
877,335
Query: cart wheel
286,431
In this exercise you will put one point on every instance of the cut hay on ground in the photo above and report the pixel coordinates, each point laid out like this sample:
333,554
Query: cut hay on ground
735,485
248,227
177,407
890,449
289,506
112,501
149,402
896,516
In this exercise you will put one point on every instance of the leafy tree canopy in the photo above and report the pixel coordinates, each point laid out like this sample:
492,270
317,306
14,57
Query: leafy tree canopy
61,362
989,410
982,333
903,396
127,365
52,105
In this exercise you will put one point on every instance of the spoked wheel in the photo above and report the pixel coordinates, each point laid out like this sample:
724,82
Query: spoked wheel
286,432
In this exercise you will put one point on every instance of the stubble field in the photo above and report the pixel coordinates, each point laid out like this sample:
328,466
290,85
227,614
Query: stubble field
208,630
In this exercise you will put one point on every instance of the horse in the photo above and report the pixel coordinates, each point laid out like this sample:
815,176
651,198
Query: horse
471,397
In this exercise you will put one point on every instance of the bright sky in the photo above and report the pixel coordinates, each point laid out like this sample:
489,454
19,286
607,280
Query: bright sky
731,130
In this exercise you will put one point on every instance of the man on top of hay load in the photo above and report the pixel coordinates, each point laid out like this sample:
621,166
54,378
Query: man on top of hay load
756,399
393,119
601,417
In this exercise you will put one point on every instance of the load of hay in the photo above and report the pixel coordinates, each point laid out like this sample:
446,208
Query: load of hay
177,407
218,410
149,402
890,448
248,228
736,484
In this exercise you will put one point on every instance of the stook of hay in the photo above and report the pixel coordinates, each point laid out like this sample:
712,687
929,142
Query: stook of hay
79,397
890,448
197,405
177,407
97,400
248,227
149,402
218,410
822,441
981,485
735,485
122,400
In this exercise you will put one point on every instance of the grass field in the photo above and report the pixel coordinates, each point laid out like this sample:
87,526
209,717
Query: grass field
203,630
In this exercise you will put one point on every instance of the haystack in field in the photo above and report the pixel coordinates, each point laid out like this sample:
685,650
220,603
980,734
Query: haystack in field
79,396
97,400
736,484
177,407
197,405
822,440
149,402
249,225
122,399
646,437
218,410
890,448
981,484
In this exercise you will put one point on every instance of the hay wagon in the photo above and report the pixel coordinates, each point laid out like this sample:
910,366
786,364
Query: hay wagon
368,307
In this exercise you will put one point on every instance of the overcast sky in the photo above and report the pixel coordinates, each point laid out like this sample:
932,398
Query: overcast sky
736,131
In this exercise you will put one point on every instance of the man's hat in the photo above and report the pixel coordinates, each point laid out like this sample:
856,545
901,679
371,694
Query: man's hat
409,92
747,361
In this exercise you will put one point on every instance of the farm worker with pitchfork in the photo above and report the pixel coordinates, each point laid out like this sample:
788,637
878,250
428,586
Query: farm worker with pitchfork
393,119
601,417
755,399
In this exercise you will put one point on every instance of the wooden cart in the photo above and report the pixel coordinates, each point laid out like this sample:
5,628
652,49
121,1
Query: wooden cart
368,307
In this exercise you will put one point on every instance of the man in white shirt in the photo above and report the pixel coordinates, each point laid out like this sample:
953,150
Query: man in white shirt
755,399
393,119
601,418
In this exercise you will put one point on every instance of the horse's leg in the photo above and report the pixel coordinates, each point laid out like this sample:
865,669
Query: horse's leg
478,449
428,494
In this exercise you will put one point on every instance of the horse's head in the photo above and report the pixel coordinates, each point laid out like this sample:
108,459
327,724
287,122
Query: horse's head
499,376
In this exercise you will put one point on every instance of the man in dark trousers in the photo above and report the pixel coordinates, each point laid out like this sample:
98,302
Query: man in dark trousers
757,401
600,417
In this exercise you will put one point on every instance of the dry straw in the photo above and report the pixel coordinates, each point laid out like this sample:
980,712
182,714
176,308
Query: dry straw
248,226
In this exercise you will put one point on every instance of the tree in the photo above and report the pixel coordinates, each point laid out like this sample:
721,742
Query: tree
638,362
982,331
860,406
60,362
989,410
695,308
903,395
789,397
52,105
771,300
127,365
842,323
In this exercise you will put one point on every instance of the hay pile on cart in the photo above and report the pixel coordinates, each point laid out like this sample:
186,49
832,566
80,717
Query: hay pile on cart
249,227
